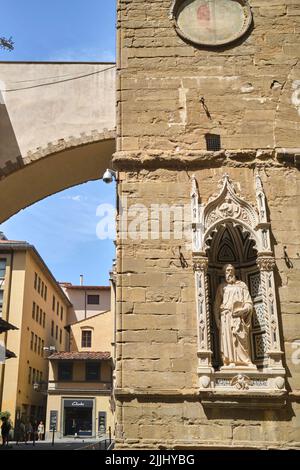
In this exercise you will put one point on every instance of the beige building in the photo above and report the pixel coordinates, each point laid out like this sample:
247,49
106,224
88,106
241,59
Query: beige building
80,401
86,300
32,301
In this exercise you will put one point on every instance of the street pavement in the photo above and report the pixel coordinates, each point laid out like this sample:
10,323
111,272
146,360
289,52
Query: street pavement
62,444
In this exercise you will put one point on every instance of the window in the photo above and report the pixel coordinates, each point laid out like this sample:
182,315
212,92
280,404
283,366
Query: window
41,316
53,303
1,301
2,268
60,336
93,299
52,328
33,376
45,293
56,332
29,375
31,340
35,280
86,339
42,289
65,370
42,347
44,319
33,310
57,308
39,284
37,311
92,371
61,313
35,342
39,346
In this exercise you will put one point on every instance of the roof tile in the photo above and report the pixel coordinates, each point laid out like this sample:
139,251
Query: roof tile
82,355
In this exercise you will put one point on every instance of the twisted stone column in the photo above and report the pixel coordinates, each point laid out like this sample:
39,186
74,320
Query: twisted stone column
266,265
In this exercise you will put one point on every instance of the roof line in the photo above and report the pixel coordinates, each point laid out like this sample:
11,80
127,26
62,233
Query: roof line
7,246
67,286
88,318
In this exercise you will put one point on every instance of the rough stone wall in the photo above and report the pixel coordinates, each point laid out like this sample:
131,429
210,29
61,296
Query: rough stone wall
250,92
251,89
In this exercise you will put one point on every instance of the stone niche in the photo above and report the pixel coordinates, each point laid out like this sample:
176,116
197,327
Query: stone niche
229,230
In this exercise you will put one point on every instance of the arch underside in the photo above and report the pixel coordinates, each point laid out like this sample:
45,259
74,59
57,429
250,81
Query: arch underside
57,128
235,244
53,173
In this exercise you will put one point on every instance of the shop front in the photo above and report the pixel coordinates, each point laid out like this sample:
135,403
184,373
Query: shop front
78,417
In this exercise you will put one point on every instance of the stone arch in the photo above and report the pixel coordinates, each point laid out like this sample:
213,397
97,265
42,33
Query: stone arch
225,222
57,128
230,237
52,169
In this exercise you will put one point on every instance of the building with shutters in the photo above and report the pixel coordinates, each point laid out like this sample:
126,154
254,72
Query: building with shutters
32,301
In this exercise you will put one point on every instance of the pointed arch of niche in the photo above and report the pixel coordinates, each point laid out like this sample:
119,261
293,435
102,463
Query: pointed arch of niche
230,244
228,229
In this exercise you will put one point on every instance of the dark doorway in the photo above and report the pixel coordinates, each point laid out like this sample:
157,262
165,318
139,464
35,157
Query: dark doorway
78,421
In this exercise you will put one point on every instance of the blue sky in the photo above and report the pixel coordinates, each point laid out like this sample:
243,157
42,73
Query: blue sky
63,227
66,30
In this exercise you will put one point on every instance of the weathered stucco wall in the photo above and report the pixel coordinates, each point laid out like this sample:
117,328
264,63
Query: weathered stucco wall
250,89
47,102
65,111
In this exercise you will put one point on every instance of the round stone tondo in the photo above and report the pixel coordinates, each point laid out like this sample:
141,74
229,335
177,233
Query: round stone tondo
211,22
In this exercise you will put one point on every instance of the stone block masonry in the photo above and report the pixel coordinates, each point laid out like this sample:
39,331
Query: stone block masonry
170,95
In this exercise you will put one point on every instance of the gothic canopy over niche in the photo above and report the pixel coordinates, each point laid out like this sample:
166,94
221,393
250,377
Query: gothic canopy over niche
228,229
211,22
231,245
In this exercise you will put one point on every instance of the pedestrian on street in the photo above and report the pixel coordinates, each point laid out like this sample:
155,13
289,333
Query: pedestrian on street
41,430
28,431
5,428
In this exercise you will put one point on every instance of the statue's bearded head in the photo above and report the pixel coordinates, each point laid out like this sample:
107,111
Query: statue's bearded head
229,271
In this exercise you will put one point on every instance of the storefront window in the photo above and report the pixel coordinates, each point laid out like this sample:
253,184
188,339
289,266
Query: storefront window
78,417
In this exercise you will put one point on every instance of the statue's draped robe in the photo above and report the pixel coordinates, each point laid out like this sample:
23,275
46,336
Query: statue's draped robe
234,331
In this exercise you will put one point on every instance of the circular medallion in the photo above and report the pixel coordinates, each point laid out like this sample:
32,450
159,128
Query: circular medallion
212,22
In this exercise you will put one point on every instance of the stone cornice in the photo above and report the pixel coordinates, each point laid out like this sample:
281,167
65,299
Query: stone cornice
167,393
156,158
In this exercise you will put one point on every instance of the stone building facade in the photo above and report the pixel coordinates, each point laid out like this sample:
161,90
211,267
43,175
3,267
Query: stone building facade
212,131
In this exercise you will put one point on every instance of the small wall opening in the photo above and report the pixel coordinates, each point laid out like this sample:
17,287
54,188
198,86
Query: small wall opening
213,142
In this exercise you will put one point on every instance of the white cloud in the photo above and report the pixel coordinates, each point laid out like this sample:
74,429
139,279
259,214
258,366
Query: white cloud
77,198
84,54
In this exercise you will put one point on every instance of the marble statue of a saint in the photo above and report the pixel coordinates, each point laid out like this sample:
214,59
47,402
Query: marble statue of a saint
233,310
